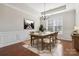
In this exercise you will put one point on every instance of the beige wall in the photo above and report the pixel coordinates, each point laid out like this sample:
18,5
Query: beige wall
74,6
12,20
68,24
11,25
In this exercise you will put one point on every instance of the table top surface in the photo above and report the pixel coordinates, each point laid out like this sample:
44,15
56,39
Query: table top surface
42,33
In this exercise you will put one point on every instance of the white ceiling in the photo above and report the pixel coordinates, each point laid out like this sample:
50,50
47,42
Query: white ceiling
40,6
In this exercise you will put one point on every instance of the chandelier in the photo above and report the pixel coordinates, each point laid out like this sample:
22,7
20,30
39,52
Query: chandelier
44,13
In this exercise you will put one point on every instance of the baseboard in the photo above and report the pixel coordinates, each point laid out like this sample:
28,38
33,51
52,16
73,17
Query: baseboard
10,43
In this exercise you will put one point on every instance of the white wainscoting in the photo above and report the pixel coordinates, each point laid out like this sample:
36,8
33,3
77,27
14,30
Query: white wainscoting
8,38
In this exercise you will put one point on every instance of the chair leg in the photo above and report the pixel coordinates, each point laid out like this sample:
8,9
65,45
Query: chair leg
33,42
37,43
52,43
50,47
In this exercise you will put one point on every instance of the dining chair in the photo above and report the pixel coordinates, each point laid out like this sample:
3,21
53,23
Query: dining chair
55,38
50,41
35,40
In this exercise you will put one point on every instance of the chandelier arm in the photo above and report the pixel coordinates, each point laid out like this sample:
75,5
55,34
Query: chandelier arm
44,12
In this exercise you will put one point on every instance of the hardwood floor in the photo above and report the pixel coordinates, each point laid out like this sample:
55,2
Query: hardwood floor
19,50
16,50
69,49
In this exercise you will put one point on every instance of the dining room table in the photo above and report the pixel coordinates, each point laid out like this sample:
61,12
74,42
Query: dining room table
40,35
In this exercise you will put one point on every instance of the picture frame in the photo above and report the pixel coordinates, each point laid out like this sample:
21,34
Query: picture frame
28,24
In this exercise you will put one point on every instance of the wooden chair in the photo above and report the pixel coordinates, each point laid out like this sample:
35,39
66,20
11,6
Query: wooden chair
50,41
35,40
55,39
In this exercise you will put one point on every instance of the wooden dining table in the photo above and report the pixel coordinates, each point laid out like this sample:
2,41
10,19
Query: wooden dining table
40,35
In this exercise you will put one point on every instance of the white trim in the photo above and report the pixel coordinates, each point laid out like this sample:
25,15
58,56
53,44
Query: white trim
25,12
60,12
10,43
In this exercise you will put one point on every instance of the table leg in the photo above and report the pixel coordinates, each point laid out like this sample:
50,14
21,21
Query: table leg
42,43
37,43
31,41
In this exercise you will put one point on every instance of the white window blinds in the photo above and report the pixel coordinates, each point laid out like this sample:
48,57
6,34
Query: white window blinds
55,23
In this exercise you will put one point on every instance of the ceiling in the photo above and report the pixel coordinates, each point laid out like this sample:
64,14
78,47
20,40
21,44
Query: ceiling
39,7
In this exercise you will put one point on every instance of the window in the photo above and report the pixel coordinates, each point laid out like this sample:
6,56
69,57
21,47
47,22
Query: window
55,24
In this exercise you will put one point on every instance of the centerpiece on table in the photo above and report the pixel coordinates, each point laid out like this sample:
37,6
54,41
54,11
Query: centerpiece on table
41,28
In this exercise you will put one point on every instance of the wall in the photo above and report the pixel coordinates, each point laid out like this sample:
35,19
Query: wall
12,20
74,6
12,25
68,24
77,14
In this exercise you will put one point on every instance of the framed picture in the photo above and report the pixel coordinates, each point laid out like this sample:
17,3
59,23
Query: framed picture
28,24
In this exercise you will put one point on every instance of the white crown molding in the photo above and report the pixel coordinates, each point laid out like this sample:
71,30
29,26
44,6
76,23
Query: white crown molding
18,9
60,12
